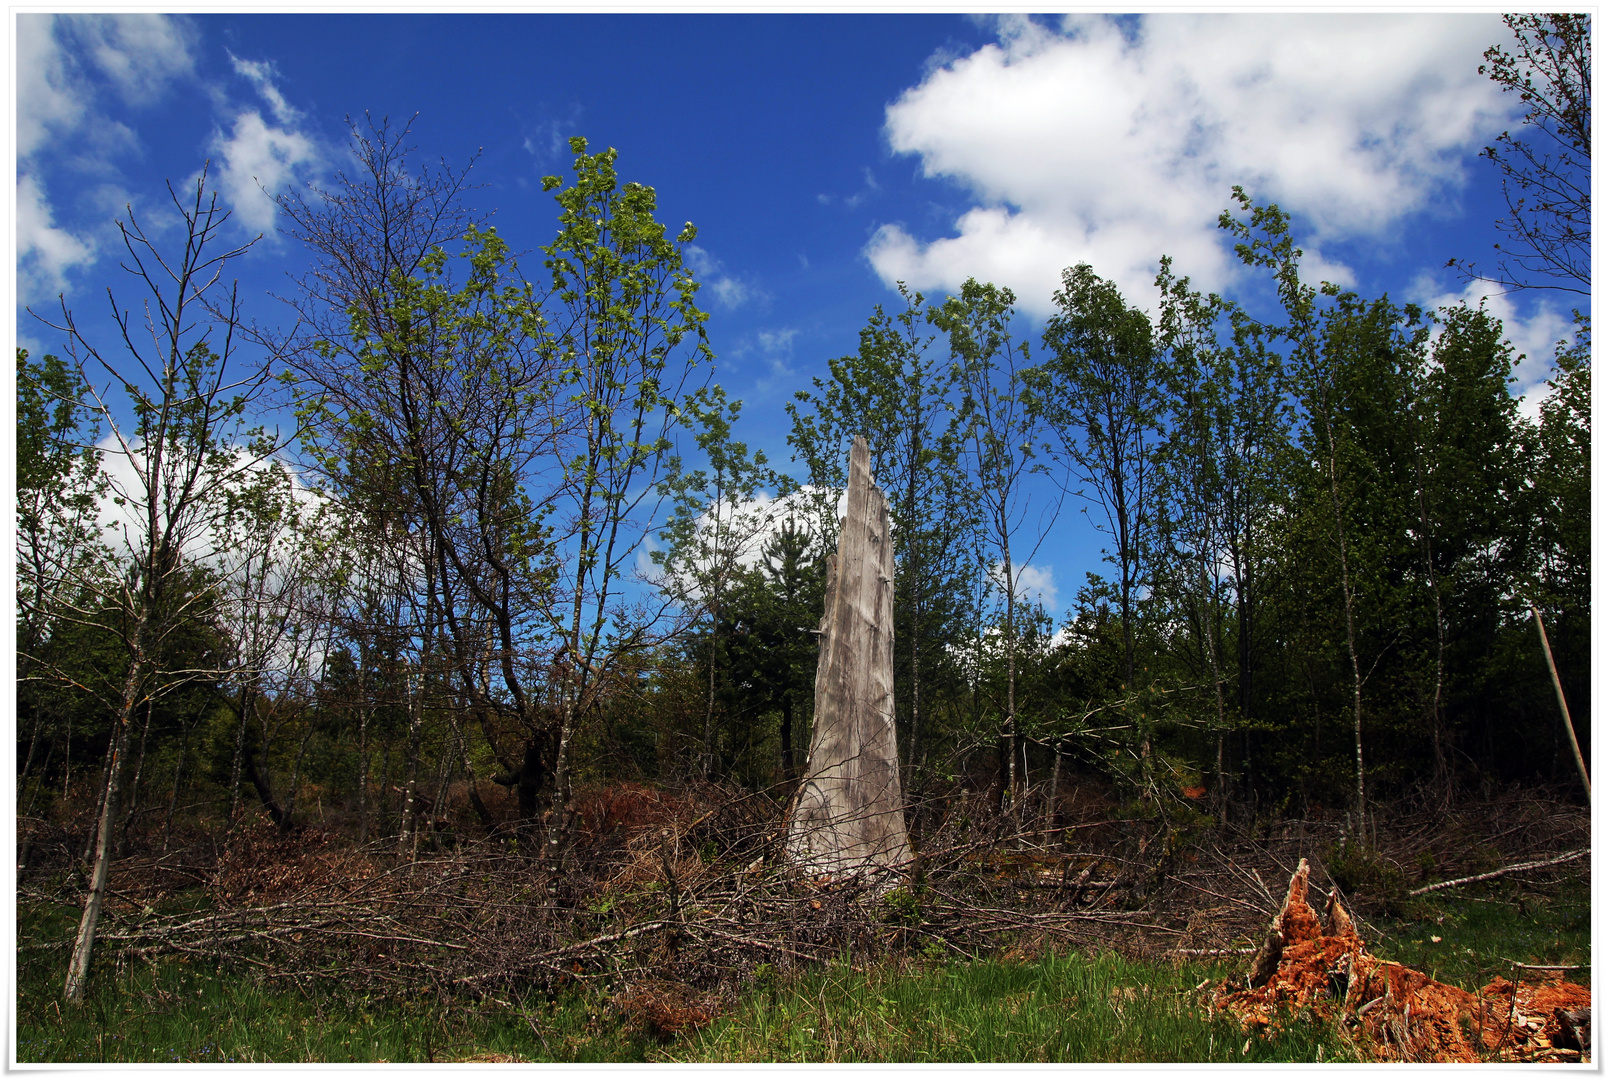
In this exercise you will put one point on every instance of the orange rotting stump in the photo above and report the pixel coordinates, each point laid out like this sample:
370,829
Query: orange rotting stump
1325,969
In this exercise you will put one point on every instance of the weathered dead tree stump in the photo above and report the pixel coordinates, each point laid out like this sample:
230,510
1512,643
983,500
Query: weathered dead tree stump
1310,970
848,815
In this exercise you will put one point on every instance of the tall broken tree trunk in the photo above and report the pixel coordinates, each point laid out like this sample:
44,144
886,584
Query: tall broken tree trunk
848,817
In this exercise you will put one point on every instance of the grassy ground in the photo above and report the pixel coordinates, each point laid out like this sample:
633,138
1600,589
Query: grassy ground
1469,936
1055,1008
1051,1008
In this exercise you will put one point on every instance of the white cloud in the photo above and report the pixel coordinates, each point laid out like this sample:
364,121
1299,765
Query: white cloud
1089,144
729,291
68,65
49,95
260,73
1034,584
257,161
1534,337
137,55
140,54
124,525
45,253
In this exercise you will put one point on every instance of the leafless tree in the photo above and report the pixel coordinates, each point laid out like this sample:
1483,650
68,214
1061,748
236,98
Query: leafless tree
168,471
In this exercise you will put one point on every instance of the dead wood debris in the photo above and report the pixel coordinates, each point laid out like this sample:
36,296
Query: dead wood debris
685,885
1323,970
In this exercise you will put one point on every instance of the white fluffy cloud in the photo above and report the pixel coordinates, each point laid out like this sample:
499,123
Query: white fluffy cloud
728,290
257,160
1034,584
45,253
261,73
137,55
1114,142
69,67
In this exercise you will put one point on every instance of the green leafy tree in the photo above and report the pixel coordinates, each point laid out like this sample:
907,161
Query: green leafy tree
59,547
1000,435
627,342
1557,501
1221,486
719,518
1101,393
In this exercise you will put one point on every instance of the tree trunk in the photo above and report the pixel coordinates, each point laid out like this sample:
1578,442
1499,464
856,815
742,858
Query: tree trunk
1209,623
848,815
787,735
295,781
246,703
92,838
173,796
410,786
27,765
1055,786
706,764
1351,623
363,773
259,784
134,783
1012,735
83,946
1563,704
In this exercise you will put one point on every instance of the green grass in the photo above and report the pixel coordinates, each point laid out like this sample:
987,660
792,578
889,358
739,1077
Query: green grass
1056,1008
1484,928
186,1013
1053,1008
177,1011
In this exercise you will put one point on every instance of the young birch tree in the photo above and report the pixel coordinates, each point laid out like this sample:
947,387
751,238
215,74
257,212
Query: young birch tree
1000,436
168,469
627,343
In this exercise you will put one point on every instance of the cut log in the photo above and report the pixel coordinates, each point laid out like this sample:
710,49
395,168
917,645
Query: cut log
848,815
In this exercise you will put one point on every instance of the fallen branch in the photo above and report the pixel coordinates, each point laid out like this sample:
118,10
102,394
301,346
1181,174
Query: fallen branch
1503,872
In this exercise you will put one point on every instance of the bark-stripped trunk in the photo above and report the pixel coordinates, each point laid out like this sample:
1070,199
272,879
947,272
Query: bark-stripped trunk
848,815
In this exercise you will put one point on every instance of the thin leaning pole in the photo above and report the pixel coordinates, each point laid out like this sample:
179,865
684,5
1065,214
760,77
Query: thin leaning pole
1568,724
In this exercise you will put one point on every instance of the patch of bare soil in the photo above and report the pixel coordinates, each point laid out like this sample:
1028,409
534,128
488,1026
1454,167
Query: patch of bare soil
1322,970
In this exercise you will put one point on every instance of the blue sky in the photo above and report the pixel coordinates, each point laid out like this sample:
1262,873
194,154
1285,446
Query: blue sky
821,157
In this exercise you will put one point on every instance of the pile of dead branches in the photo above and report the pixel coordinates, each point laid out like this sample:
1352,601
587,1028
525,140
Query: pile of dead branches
690,888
